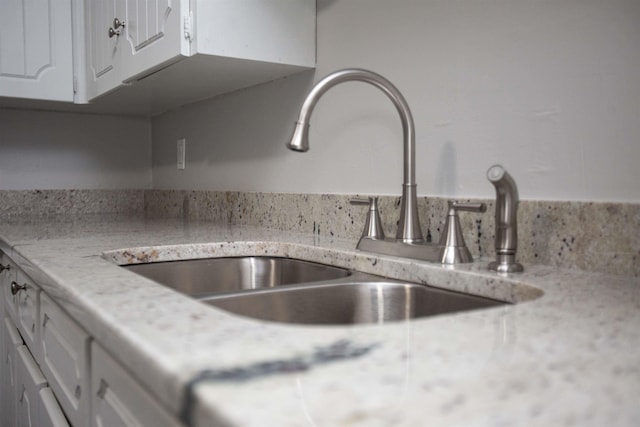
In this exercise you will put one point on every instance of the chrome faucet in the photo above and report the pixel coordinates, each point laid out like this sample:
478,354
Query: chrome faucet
409,226
506,242
409,241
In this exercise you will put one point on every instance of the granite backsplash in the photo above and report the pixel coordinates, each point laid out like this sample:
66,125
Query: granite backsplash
592,236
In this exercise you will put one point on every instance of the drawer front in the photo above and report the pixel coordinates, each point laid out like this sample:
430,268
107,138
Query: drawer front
12,342
65,360
27,313
118,400
29,382
8,276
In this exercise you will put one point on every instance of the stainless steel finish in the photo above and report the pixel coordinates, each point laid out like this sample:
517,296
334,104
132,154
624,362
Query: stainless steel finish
394,247
297,291
15,288
451,239
506,215
409,241
348,303
409,225
116,30
200,278
373,224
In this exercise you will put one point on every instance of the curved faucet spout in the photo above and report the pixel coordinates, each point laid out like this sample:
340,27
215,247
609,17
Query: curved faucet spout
409,225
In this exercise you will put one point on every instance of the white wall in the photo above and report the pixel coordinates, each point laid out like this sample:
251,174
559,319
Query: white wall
55,150
548,88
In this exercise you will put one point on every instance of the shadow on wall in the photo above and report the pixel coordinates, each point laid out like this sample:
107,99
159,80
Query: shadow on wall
248,124
446,173
324,4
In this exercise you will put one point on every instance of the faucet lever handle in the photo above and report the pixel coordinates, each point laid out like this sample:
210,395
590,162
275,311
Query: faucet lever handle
468,207
361,201
373,225
455,249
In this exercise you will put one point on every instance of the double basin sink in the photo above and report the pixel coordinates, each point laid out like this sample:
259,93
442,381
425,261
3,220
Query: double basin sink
296,291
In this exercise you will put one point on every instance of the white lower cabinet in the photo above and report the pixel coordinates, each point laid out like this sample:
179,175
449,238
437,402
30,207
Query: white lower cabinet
7,277
118,400
27,312
65,360
8,384
29,381
35,404
53,374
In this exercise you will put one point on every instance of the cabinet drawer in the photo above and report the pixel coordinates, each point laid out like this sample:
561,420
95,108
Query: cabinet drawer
27,313
65,360
29,381
8,385
118,400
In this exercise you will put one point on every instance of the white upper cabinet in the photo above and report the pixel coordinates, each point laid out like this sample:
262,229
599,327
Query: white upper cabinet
165,53
36,59
102,50
147,56
129,37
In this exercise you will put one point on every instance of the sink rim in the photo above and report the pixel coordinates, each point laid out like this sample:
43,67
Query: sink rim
515,290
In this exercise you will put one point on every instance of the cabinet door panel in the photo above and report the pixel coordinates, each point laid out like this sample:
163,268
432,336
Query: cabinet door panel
29,382
147,21
102,51
65,360
9,383
118,400
6,278
27,313
36,49
154,36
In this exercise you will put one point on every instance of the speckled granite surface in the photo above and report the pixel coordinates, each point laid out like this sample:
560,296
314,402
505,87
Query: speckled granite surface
600,237
20,203
566,354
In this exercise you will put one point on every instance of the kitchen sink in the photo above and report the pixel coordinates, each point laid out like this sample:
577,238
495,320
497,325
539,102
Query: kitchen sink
349,303
296,291
200,278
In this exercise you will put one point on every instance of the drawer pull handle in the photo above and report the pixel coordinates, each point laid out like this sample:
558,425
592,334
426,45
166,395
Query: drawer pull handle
5,267
15,288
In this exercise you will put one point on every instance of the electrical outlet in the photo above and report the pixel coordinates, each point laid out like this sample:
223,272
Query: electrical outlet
182,146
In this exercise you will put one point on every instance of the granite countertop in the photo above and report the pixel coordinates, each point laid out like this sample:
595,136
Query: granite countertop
565,354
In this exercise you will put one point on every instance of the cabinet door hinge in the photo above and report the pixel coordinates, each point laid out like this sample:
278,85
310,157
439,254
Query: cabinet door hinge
188,27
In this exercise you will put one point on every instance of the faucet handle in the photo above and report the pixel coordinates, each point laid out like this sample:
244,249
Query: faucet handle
373,225
455,249
469,207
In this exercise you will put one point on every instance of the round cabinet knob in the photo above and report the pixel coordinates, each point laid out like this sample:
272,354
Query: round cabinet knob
15,288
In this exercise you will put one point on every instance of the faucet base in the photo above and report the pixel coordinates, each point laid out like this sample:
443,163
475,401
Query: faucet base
506,263
422,250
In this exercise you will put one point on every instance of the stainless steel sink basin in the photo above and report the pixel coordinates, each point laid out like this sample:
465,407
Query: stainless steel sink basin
296,291
348,303
200,278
